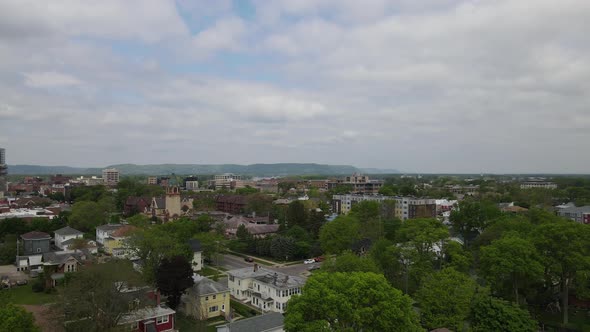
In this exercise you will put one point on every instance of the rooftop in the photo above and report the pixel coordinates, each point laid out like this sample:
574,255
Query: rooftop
145,313
271,277
204,286
35,236
68,231
261,323
109,227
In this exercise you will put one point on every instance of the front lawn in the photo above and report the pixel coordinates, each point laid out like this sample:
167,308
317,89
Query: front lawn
25,295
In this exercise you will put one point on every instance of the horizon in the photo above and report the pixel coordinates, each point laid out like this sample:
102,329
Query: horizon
428,87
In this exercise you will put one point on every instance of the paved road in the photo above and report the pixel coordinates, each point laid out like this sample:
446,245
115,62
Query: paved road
231,262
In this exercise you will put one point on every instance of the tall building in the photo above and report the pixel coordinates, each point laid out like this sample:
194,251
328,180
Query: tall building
3,172
228,181
360,184
405,207
110,176
152,180
191,183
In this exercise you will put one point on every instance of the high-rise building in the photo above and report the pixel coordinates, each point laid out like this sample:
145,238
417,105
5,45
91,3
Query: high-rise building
3,171
110,176
228,181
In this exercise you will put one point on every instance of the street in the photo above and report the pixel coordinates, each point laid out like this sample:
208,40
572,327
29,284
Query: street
231,262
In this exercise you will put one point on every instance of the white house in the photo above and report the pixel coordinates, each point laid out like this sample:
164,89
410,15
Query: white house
197,261
64,237
105,231
263,288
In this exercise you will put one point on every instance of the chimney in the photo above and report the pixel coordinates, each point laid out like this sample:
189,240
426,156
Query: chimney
255,267
158,298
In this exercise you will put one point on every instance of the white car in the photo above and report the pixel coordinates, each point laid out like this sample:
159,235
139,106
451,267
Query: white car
309,261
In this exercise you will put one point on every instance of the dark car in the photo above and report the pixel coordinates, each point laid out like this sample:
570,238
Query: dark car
249,259
319,259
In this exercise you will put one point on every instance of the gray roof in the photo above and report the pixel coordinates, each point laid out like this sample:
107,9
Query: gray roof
204,286
195,245
59,258
68,231
109,227
270,277
261,323
70,241
576,209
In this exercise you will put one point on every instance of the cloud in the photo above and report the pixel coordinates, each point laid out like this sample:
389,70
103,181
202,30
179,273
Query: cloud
225,34
50,79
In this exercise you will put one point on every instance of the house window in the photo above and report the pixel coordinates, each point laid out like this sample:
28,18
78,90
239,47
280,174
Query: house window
213,308
223,307
214,297
206,298
38,249
162,320
231,278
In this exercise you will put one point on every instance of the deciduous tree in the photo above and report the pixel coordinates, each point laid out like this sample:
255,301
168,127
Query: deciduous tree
357,301
339,234
173,277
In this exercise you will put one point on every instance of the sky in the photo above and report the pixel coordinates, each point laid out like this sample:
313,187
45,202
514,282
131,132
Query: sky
427,86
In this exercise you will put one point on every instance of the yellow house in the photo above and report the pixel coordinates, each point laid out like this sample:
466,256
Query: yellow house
116,244
206,299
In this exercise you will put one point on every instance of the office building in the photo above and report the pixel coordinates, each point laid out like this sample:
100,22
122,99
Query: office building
110,176
3,172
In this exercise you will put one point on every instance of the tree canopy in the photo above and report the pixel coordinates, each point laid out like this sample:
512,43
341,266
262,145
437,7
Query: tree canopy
356,301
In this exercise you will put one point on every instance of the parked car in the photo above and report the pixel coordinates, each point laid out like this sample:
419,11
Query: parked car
319,259
21,282
249,259
309,261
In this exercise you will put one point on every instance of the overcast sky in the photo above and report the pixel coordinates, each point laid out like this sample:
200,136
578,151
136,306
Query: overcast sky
420,86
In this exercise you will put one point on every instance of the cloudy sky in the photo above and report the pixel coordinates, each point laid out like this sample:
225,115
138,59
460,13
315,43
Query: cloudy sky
420,86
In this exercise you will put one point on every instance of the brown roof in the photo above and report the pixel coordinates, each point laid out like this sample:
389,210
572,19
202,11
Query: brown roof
124,231
34,235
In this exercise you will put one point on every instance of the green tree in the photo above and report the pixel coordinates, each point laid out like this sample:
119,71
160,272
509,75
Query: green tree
16,318
261,204
86,215
246,190
423,234
349,262
471,217
8,249
282,247
357,301
445,298
457,257
492,314
296,214
511,259
213,245
94,298
173,277
339,234
564,247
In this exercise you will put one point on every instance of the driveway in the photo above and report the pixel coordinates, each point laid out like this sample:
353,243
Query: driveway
12,274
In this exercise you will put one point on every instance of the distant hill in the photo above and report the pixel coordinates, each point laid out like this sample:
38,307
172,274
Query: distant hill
379,171
164,169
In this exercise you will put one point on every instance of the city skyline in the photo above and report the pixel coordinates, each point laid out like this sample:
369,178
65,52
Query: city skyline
430,87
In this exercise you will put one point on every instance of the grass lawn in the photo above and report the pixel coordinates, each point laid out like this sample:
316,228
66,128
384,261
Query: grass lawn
243,309
25,295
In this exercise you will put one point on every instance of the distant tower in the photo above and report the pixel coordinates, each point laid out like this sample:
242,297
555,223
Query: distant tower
3,172
173,201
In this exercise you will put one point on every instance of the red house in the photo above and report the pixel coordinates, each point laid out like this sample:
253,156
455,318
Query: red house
150,319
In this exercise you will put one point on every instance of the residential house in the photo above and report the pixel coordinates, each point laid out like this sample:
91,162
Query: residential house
233,204
104,231
150,319
263,288
118,243
270,322
64,237
135,204
257,226
206,299
197,261
64,262
35,244
579,214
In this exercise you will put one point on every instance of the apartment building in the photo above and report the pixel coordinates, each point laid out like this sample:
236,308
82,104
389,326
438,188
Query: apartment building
228,181
538,184
110,176
579,214
263,288
3,172
361,184
411,208
342,204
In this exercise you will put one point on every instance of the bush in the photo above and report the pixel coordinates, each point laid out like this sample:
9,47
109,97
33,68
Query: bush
38,285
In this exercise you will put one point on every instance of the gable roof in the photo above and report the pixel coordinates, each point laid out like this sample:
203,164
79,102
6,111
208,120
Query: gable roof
68,231
124,231
261,323
195,245
204,286
109,227
34,235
